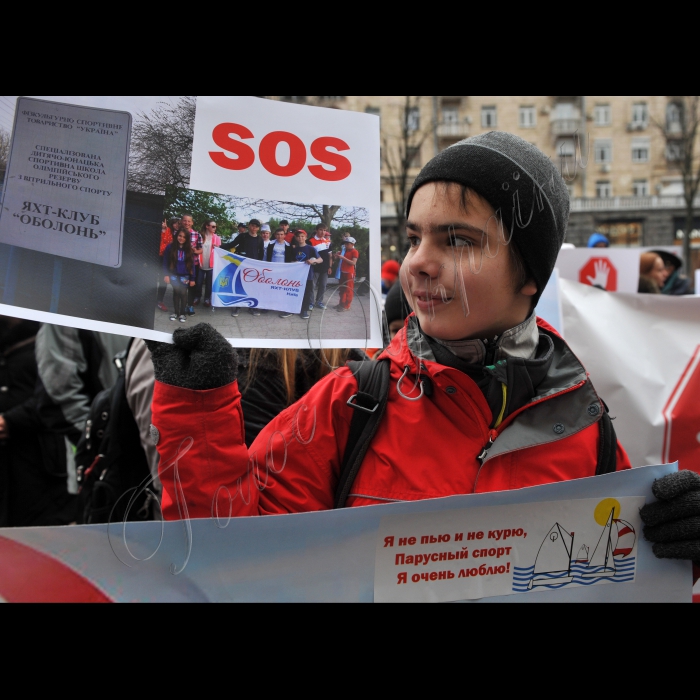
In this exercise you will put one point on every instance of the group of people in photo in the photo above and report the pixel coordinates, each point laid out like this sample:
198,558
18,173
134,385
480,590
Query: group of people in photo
187,256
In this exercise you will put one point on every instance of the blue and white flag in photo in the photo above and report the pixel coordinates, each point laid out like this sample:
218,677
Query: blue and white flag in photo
239,281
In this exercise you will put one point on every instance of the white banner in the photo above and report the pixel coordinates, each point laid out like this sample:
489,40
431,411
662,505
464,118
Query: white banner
331,556
643,354
612,269
255,284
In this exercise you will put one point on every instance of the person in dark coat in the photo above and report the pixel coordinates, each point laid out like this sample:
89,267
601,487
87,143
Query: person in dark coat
677,284
33,477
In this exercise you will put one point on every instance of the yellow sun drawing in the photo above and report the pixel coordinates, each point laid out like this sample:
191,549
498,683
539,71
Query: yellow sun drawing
602,511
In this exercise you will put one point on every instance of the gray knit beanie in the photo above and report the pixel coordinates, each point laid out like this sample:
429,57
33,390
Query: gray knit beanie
520,183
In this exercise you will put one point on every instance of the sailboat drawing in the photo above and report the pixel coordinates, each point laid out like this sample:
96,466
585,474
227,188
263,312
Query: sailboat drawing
558,564
553,563
602,562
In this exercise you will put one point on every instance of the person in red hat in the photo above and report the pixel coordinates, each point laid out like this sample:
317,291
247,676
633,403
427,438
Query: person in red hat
390,273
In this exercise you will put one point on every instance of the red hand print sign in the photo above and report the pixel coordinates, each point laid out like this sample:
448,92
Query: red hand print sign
599,272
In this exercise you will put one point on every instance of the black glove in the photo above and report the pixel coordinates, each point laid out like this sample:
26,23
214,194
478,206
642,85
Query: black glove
200,358
673,522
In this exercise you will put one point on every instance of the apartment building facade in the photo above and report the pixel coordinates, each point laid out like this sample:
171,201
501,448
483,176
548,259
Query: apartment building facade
622,172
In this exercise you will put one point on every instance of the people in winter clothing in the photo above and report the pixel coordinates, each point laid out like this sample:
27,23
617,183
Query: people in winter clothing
652,273
206,260
677,284
598,240
483,396
33,477
180,271
303,252
322,244
279,251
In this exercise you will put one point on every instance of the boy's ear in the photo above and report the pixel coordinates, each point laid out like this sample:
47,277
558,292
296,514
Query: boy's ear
529,288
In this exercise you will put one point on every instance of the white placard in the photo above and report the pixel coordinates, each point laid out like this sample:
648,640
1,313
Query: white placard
65,186
483,552
264,150
612,269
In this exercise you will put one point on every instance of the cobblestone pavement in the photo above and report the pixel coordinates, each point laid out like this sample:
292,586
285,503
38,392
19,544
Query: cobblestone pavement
353,324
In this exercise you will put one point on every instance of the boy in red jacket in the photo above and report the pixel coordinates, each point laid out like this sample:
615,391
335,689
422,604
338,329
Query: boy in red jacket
483,396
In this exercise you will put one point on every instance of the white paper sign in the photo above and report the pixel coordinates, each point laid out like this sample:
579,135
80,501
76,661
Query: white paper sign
484,552
65,186
255,284
612,269
317,159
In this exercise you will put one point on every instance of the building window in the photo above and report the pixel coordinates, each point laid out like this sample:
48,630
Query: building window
602,115
640,188
489,117
413,119
603,188
640,115
640,150
674,118
450,114
603,151
528,117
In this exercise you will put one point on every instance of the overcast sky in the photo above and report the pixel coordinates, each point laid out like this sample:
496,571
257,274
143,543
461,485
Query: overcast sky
125,103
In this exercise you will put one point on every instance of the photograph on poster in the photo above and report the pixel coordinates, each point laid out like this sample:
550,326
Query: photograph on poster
264,269
84,225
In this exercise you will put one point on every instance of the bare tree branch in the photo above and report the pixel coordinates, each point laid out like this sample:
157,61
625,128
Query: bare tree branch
682,140
161,147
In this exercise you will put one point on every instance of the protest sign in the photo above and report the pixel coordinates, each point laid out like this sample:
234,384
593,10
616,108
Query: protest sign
642,353
92,257
612,269
254,284
66,181
297,162
330,556
441,557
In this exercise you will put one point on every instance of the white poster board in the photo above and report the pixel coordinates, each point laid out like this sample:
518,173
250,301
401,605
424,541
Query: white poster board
266,153
612,269
74,257
330,556
66,181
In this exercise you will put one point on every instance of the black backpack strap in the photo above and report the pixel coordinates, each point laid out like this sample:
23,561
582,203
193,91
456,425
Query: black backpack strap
369,404
607,451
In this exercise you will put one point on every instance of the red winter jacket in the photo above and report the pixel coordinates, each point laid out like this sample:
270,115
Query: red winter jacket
423,449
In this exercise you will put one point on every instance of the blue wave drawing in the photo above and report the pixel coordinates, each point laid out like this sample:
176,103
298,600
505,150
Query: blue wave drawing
229,287
624,572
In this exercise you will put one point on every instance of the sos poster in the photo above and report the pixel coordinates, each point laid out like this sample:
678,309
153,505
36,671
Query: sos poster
116,261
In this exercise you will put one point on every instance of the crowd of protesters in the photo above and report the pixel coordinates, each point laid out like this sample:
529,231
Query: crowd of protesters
187,260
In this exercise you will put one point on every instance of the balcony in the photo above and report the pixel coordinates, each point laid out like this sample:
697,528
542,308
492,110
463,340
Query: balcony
454,130
565,127
622,203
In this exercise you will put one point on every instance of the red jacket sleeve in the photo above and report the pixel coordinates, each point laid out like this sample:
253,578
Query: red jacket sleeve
201,447
292,467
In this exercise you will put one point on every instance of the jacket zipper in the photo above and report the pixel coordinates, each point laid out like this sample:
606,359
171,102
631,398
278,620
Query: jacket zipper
493,434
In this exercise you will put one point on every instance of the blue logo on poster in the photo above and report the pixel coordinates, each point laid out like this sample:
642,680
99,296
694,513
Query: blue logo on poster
228,286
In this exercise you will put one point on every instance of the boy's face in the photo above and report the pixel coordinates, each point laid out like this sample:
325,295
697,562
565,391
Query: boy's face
458,275
279,236
186,223
301,237
349,246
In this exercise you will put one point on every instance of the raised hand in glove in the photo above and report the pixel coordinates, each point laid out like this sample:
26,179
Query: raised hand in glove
673,522
199,358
